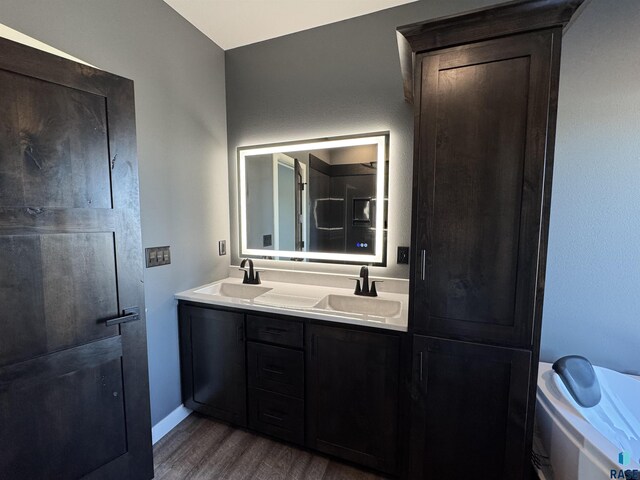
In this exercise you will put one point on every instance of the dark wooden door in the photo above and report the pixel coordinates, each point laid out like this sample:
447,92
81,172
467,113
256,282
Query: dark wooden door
352,395
481,169
213,363
470,410
74,398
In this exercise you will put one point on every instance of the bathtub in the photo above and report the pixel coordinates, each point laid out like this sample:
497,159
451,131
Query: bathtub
584,443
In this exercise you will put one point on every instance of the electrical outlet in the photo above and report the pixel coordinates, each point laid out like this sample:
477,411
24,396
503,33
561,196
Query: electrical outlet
222,247
403,255
156,256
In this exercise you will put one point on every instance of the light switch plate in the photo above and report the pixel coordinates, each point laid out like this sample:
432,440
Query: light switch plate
222,247
156,256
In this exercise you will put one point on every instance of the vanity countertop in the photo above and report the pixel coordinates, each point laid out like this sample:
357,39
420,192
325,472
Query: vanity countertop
307,301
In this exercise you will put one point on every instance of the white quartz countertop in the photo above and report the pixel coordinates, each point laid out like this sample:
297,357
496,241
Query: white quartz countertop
300,300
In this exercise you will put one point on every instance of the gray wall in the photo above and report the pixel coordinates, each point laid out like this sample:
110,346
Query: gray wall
592,298
180,110
344,78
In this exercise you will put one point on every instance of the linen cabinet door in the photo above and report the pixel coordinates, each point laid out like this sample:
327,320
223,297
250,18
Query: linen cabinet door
469,410
481,168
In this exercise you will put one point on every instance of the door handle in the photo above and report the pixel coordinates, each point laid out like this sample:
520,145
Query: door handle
128,315
423,264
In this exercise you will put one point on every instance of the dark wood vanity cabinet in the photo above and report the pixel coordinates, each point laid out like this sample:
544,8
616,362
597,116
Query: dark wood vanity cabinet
213,363
334,389
352,395
484,87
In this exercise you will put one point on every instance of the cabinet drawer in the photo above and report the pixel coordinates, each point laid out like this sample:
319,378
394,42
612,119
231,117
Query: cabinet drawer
276,415
272,330
276,369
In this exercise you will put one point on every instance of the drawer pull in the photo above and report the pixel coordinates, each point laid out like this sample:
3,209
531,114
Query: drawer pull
275,331
274,370
275,417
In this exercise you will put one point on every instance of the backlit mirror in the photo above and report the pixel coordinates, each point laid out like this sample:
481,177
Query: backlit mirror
315,200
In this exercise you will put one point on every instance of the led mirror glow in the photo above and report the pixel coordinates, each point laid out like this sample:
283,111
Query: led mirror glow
281,215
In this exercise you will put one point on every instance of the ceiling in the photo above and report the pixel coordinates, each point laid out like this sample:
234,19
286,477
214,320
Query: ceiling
233,23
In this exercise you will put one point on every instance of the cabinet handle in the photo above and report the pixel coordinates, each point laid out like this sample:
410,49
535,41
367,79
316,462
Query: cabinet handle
275,331
275,417
274,370
421,358
423,264
313,345
241,333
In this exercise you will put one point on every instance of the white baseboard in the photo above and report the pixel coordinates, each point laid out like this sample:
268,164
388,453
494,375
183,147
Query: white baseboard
168,423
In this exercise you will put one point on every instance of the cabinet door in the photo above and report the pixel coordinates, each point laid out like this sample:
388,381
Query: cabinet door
212,351
352,395
469,410
482,165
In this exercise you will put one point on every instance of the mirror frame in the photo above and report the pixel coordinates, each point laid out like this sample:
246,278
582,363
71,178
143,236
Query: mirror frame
380,139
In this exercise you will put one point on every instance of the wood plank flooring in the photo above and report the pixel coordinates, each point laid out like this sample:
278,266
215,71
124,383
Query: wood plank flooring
203,449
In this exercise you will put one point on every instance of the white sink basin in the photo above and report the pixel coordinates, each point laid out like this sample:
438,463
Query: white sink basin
361,305
234,290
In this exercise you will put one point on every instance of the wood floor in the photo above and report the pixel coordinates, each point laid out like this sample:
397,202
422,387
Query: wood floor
200,448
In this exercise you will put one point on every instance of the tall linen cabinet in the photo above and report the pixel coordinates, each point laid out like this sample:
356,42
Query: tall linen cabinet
485,89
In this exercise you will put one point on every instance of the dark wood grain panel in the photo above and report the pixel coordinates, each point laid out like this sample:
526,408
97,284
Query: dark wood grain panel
276,415
39,220
471,409
43,369
57,291
352,384
80,290
22,321
11,187
275,330
62,159
59,441
479,183
276,369
476,204
214,363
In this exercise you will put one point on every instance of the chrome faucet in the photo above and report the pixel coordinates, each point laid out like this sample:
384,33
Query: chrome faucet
365,290
252,277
